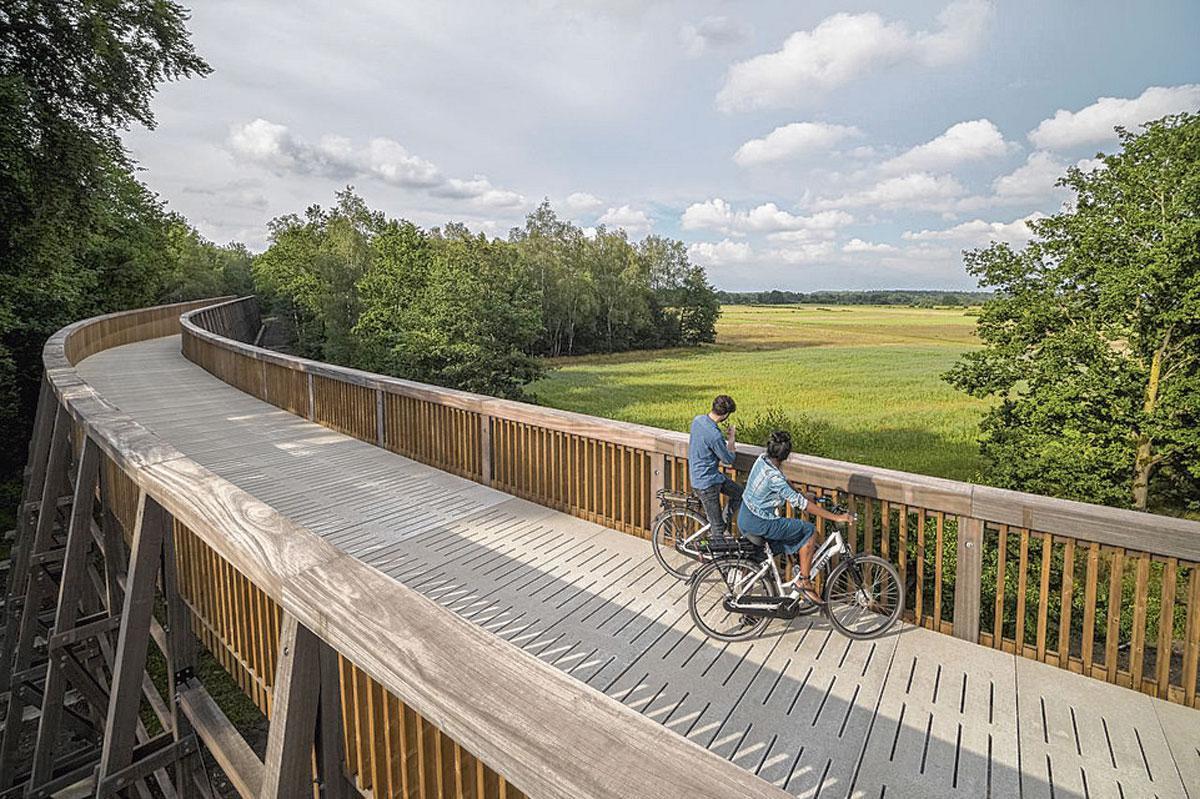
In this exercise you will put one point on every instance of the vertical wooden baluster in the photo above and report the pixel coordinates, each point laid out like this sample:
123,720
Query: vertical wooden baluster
1137,649
920,566
869,525
1116,576
1090,581
377,731
1166,629
1044,596
362,732
1064,614
422,765
1191,647
885,529
1022,576
939,522
903,543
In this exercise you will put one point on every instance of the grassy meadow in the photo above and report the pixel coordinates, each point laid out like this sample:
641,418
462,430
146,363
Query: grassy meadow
870,374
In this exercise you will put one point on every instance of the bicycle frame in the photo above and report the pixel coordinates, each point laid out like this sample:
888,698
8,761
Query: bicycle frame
834,545
683,547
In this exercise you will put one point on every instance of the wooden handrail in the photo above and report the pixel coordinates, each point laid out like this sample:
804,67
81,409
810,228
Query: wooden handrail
1162,535
561,739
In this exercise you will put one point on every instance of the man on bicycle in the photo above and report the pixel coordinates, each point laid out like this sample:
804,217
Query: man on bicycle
708,449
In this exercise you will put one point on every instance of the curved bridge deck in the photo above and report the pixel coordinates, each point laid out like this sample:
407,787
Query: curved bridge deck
913,714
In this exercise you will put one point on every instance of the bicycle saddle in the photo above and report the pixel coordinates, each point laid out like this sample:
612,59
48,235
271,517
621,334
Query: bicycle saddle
757,540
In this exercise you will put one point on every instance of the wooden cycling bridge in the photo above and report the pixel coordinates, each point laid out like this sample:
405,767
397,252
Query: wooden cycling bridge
437,594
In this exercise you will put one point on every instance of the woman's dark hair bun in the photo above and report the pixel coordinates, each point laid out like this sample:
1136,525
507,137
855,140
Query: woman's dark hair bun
779,445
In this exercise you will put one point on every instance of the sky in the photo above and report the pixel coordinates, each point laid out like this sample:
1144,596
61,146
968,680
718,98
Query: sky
793,145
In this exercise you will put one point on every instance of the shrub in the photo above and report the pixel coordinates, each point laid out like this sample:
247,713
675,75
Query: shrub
809,436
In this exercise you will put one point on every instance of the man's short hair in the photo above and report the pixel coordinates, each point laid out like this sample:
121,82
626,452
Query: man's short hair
723,405
779,445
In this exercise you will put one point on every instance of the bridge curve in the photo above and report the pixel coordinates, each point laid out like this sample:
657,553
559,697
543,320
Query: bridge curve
479,568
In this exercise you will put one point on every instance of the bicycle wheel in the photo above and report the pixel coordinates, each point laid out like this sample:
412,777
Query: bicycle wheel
863,597
724,579
670,528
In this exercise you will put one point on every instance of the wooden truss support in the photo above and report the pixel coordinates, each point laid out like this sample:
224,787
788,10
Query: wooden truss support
305,714
117,754
29,588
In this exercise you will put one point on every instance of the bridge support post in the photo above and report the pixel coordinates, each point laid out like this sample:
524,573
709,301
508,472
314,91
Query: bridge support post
658,481
379,437
968,582
485,449
288,768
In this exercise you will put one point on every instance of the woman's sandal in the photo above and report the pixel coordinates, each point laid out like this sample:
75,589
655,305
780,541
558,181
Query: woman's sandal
808,590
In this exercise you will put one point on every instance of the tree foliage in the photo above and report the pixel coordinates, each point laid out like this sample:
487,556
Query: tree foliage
602,293
1092,343
456,309
79,235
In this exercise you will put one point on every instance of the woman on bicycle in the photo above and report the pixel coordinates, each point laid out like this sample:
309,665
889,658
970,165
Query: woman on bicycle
767,491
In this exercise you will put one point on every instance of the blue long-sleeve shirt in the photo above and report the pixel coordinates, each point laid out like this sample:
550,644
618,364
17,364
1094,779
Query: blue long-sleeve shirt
707,450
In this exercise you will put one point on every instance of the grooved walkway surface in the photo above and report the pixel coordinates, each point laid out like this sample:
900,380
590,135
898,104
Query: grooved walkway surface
913,714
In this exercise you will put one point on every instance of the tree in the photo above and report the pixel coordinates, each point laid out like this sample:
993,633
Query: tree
310,273
1092,342
453,309
78,234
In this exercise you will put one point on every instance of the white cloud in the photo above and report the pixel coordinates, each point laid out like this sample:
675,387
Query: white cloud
480,191
1095,123
847,46
718,215
712,33
801,253
858,245
719,253
273,146
1033,180
915,191
633,221
962,142
793,141
581,202
979,233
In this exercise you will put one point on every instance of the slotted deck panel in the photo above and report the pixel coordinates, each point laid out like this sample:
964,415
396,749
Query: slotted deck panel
913,714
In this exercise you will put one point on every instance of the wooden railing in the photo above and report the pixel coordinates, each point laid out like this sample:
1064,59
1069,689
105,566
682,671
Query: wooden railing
1110,593
431,705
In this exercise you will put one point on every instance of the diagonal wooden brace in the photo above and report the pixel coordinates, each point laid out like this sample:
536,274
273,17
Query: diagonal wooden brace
73,582
120,727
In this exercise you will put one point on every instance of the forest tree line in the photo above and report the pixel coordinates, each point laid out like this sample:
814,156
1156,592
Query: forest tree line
457,309
911,297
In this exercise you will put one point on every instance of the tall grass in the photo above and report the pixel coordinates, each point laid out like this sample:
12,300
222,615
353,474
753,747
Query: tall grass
869,376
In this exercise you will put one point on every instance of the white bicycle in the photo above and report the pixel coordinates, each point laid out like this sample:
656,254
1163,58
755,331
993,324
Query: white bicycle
735,595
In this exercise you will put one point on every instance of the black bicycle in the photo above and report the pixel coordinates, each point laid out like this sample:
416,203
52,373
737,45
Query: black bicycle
735,595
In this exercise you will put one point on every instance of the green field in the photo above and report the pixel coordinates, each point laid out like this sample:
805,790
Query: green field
871,374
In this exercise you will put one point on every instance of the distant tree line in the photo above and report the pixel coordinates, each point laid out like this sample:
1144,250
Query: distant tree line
914,297
458,309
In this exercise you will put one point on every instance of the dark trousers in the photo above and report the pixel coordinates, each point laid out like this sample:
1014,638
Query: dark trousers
710,497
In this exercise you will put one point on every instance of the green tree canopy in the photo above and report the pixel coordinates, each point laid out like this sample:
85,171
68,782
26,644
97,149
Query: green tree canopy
1092,342
78,233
